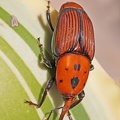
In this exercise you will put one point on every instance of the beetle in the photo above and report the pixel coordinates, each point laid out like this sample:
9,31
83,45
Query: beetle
73,49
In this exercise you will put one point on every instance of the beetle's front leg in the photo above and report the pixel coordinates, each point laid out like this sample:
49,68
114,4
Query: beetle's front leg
48,16
69,116
49,85
45,61
80,96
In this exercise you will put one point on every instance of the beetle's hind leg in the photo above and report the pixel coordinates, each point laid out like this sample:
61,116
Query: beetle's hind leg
45,61
80,98
49,85
52,112
69,115
75,102
48,16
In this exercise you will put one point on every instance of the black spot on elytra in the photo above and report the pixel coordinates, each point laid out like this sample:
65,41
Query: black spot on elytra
74,82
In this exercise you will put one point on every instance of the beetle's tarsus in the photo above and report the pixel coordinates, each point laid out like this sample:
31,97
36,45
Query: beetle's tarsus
48,16
49,85
48,10
31,103
45,61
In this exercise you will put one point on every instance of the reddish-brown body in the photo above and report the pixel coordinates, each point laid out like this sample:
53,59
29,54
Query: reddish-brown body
73,48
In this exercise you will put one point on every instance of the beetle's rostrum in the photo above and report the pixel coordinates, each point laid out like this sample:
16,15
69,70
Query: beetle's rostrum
73,49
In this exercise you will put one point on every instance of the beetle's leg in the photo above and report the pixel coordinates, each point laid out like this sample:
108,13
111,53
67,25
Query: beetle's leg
69,115
48,16
80,96
91,67
49,85
45,61
52,112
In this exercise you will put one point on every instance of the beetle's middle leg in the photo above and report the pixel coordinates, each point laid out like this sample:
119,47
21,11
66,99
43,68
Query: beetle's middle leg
49,85
45,61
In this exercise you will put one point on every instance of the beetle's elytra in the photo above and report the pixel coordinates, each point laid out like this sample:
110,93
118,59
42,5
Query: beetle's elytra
73,50
73,32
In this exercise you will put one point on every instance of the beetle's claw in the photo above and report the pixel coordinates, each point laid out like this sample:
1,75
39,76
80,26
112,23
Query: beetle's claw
25,101
31,103
40,45
38,40
48,7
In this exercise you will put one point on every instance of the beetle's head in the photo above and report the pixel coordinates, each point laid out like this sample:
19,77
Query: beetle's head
70,5
71,73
